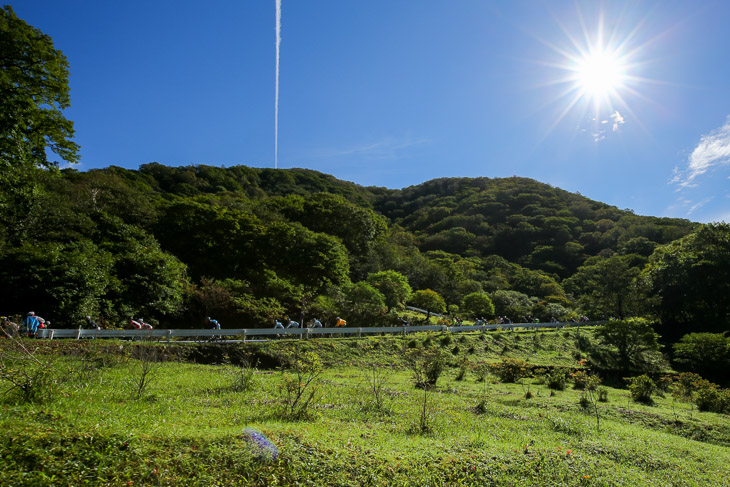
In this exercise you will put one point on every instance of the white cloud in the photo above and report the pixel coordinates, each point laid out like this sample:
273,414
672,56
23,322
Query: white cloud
712,151
617,120
699,205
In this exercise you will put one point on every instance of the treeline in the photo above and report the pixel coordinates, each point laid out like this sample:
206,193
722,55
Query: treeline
176,244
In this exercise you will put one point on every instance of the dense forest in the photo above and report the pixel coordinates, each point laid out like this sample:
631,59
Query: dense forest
248,245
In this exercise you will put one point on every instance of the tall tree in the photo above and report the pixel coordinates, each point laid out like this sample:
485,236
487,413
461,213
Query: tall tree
33,93
393,285
429,300
691,278
607,286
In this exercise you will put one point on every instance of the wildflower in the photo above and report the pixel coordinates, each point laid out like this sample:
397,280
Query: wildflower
568,452
260,445
586,476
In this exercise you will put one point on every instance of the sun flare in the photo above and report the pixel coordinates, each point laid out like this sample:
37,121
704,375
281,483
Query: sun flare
600,74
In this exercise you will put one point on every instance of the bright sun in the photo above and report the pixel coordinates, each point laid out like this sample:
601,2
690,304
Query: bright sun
600,75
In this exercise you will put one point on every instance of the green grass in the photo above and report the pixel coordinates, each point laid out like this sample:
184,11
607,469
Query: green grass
186,427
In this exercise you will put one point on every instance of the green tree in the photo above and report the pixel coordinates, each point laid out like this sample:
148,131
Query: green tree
512,304
477,305
62,282
33,93
707,354
631,344
364,305
394,287
691,279
607,286
429,300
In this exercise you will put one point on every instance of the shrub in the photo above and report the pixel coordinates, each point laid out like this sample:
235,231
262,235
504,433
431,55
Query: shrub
299,385
602,394
243,377
579,379
24,376
511,369
481,370
556,380
426,365
642,388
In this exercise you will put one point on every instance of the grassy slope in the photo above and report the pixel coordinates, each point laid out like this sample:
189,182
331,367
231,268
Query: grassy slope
186,429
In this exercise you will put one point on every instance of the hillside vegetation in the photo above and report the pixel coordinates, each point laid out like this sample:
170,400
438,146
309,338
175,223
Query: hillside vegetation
347,412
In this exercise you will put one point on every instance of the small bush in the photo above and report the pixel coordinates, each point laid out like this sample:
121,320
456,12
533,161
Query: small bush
713,399
642,388
243,377
556,380
584,401
481,370
300,385
511,369
579,379
602,394
455,350
426,365
445,340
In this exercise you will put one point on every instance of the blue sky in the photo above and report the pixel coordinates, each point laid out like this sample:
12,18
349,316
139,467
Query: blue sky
396,92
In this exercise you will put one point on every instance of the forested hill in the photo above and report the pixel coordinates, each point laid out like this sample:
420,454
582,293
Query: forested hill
250,245
522,220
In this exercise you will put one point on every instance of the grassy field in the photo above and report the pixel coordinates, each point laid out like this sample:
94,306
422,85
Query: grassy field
366,425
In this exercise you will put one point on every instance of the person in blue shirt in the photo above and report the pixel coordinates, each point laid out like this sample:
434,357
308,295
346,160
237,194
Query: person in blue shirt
316,323
214,323
30,324
292,324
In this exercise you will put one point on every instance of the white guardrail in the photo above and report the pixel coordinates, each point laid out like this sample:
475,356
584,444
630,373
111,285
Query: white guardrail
201,335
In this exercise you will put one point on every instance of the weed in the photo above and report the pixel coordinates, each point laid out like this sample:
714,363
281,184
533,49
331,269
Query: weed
148,358
376,380
299,386
243,377
426,365
30,378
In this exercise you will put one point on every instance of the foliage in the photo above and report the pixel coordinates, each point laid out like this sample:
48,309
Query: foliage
691,278
25,376
393,286
244,377
633,345
511,369
376,379
426,364
69,279
299,384
148,358
34,92
364,305
513,304
429,300
556,379
707,354
642,388
477,305
607,287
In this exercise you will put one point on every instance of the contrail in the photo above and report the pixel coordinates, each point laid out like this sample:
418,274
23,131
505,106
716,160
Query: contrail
276,96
